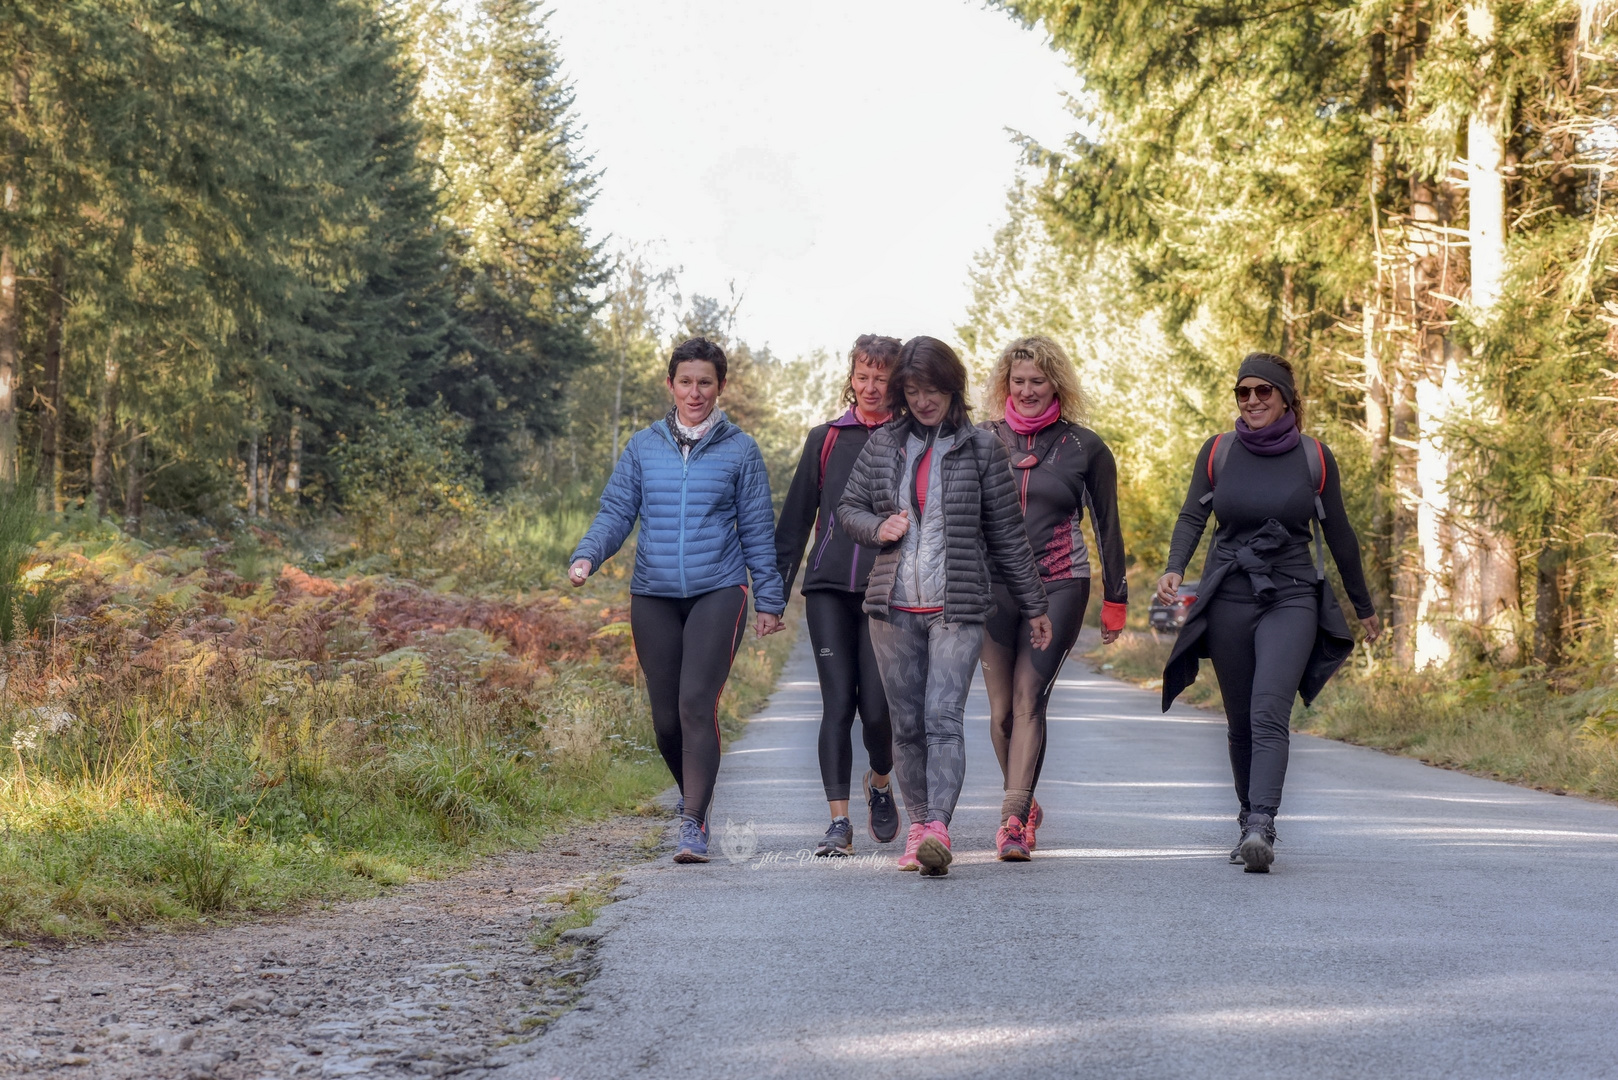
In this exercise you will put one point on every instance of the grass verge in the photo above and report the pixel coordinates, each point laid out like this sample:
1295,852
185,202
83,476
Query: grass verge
208,733
1514,725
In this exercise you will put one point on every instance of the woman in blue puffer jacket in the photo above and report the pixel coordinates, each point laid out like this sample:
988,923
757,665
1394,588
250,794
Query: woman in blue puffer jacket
698,486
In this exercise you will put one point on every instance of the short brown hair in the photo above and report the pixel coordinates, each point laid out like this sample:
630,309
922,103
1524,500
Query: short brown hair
874,349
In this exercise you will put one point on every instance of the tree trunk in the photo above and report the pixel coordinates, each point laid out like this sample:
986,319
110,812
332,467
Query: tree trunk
10,310
101,459
1548,605
1485,584
266,478
294,459
618,403
134,478
50,419
1288,299
252,473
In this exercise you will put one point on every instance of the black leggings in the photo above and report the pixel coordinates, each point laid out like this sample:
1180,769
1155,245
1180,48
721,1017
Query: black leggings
1259,652
849,683
685,648
1019,678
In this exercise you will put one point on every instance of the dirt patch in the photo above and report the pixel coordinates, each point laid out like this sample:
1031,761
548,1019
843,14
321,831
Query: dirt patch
433,978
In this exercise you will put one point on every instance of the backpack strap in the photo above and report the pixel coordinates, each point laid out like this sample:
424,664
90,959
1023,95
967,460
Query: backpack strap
825,451
1315,454
1216,464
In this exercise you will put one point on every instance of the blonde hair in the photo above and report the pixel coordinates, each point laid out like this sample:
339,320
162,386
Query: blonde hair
1052,362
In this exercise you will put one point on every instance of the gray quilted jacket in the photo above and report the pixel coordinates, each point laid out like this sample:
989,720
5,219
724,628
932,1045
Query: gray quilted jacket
981,520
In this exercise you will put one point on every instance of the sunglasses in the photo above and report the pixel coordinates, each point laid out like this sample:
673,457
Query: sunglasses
1262,391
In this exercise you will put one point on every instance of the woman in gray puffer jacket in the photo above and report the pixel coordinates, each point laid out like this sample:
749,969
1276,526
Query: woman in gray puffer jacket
935,496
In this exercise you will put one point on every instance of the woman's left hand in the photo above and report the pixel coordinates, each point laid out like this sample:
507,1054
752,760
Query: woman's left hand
1110,636
1039,632
768,624
1373,627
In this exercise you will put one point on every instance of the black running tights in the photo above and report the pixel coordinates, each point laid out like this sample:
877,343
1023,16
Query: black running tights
685,647
1019,678
849,682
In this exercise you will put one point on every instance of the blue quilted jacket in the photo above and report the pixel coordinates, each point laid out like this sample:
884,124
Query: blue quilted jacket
704,520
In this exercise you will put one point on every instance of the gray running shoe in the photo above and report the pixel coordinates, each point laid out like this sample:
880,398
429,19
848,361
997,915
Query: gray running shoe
1258,843
838,841
884,811
1241,828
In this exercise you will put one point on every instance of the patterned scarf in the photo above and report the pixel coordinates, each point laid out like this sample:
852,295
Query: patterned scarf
687,437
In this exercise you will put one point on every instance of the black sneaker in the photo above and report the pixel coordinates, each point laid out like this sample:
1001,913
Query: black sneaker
884,811
1258,843
838,841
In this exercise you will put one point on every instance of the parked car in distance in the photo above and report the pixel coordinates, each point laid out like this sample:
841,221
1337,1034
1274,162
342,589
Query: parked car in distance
1167,617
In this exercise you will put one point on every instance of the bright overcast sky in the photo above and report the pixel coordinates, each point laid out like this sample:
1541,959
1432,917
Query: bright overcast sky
842,160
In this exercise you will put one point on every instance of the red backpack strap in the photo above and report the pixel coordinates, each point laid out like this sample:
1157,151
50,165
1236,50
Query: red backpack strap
825,452
1218,454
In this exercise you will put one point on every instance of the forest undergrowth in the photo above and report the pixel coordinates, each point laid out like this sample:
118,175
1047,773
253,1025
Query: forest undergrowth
199,730
1521,725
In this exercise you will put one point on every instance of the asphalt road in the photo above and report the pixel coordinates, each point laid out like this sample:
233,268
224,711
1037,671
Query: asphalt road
1418,923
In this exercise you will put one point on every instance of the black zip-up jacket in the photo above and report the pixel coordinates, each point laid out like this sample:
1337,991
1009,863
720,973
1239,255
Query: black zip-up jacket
982,523
1074,470
836,561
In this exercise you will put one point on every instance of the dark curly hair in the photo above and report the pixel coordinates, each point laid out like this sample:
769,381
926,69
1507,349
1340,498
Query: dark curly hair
874,349
928,362
699,348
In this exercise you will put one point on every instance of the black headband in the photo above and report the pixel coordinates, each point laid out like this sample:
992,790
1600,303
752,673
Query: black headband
1256,367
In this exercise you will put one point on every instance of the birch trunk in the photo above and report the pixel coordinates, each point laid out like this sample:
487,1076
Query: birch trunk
1485,568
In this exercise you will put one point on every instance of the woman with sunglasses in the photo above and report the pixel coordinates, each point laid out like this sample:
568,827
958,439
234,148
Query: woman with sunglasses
1265,614
1059,468
934,496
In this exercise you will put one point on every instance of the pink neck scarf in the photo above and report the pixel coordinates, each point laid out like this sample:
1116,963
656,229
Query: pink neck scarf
1030,425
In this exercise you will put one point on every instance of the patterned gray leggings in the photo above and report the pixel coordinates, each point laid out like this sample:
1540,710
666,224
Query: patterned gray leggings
927,666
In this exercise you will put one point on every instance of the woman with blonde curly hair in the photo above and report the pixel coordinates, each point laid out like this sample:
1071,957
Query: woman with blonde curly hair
1060,468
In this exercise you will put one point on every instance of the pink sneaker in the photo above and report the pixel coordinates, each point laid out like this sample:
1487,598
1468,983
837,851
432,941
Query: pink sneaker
1011,842
908,860
933,852
1036,818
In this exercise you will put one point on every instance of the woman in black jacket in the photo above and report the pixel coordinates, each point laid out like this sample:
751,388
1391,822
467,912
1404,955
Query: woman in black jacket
1060,469
934,494
834,597
1264,614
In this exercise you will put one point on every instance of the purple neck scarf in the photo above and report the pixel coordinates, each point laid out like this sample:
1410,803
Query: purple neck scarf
1276,437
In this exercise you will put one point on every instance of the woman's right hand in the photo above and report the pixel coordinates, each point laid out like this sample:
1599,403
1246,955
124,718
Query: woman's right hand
1168,588
579,572
894,528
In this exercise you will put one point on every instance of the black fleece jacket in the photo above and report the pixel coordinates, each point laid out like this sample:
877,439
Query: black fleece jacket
835,561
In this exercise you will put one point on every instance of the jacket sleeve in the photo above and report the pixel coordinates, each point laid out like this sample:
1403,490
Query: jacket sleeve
798,513
1344,544
1004,532
620,506
856,512
1101,491
1193,515
755,528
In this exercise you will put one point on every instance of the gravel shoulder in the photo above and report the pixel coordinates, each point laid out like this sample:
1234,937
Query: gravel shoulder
434,978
